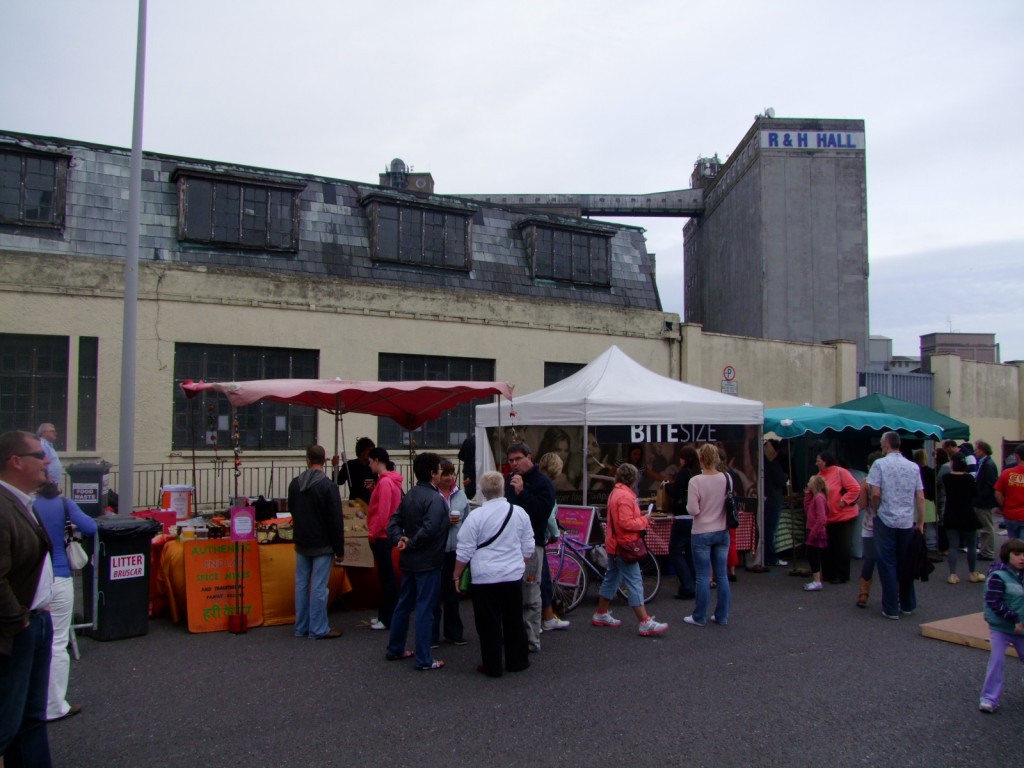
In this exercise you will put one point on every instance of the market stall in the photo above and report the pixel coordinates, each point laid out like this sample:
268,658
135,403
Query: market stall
952,429
271,567
595,417
830,426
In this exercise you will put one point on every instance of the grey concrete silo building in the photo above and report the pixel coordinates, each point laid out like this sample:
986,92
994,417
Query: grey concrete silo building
781,248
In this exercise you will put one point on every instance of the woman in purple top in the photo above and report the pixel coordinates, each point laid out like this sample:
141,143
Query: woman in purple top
51,506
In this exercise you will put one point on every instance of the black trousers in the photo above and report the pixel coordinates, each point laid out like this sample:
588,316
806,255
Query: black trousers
446,612
498,615
680,553
381,549
835,565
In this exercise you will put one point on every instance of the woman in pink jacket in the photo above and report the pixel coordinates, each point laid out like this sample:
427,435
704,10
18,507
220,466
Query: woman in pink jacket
843,493
624,525
386,496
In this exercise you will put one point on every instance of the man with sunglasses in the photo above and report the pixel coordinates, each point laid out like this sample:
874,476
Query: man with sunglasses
26,574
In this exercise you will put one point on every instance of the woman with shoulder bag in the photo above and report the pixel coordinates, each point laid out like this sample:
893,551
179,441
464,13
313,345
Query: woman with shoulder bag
625,522
57,514
706,502
498,539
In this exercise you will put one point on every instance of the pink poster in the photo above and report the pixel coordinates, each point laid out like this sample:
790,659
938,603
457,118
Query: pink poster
577,523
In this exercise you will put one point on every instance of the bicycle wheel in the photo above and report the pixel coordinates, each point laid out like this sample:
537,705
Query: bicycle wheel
569,583
650,574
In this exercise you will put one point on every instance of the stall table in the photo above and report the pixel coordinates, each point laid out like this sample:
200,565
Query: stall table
277,580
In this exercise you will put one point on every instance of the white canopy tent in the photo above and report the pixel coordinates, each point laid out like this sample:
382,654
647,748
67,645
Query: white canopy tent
616,390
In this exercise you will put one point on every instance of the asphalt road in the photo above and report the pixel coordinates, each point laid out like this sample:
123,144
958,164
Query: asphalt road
801,679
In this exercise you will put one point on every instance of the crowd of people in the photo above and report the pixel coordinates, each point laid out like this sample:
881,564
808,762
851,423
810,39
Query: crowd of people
441,540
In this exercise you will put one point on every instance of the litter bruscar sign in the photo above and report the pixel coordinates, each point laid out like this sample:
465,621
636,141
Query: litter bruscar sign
127,567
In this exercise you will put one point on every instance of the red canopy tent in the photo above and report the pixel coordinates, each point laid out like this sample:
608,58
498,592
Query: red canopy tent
409,403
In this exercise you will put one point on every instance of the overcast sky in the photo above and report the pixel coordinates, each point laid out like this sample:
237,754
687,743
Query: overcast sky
584,97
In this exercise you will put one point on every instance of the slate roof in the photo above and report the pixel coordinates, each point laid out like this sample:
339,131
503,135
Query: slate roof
334,236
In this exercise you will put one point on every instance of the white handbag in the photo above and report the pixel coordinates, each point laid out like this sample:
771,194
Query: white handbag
77,557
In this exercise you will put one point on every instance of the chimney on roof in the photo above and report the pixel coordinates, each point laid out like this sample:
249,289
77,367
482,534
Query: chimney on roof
400,176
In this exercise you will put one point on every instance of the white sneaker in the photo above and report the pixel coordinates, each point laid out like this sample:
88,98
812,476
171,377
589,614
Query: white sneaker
550,625
986,708
813,586
652,627
377,624
604,620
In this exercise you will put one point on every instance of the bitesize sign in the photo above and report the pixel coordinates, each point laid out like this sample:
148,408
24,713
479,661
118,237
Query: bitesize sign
127,567
668,433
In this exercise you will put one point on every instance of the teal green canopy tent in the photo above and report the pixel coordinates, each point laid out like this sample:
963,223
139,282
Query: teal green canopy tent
803,419
951,428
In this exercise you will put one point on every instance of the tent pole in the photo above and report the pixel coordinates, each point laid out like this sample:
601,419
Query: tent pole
586,458
348,475
759,565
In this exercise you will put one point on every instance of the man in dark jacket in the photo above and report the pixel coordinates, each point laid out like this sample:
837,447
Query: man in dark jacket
985,499
419,531
26,632
531,489
315,506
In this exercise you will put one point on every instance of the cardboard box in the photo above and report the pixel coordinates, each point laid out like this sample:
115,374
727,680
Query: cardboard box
357,552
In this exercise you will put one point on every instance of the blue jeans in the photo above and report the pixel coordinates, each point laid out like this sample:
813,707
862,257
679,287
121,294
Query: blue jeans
867,568
420,591
891,548
619,571
24,682
708,549
1014,528
311,574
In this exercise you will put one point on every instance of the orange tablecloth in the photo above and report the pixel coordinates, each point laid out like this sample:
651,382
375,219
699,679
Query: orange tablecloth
277,576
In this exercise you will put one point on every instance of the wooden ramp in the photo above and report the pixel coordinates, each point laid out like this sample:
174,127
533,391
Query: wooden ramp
970,630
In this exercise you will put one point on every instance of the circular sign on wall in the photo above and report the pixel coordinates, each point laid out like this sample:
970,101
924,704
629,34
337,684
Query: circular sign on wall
729,373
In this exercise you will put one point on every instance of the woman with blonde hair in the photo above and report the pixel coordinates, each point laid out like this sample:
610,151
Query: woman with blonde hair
551,465
710,537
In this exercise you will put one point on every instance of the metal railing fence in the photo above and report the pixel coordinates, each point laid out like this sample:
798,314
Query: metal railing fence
215,483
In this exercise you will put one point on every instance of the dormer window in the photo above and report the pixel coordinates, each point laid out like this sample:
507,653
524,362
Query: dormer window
420,234
243,213
578,254
32,188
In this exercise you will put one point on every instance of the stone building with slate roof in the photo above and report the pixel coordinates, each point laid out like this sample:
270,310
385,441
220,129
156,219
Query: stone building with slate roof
254,273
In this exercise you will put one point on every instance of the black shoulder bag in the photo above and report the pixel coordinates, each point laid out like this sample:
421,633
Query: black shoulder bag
466,579
732,504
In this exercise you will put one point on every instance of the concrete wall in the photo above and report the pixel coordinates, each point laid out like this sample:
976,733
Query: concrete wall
988,396
348,323
778,373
